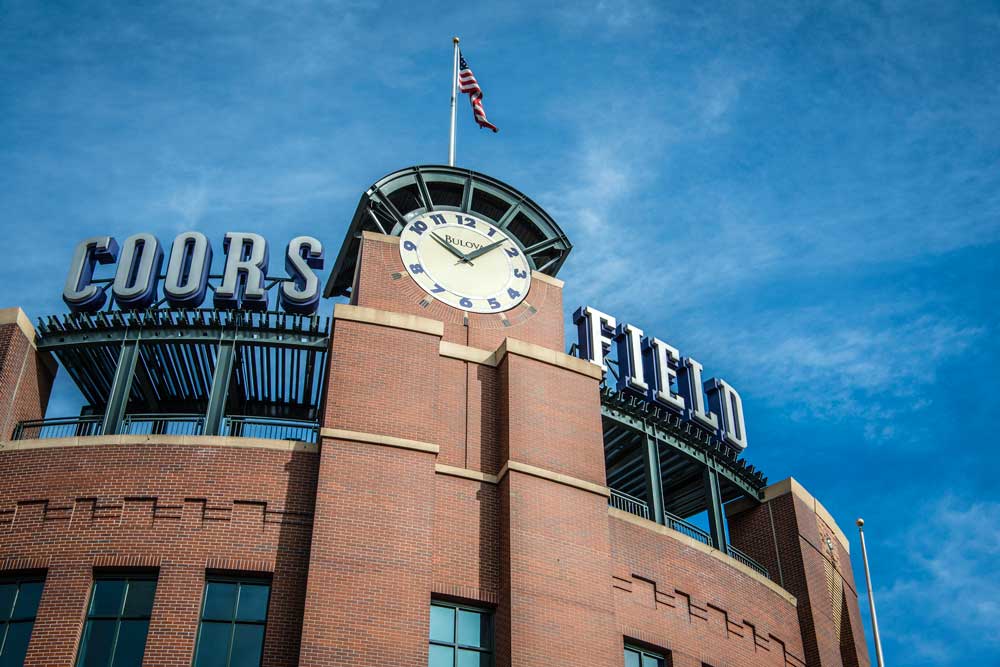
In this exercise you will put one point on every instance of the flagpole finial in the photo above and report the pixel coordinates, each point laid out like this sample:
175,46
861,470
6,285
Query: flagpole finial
861,522
455,39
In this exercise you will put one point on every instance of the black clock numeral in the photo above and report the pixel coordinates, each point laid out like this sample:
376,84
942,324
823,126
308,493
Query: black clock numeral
491,231
511,252
418,227
438,219
520,274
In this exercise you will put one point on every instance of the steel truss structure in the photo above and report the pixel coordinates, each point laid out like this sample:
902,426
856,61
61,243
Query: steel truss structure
209,363
673,466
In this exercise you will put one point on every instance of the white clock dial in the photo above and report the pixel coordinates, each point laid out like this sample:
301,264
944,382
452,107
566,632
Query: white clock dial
465,262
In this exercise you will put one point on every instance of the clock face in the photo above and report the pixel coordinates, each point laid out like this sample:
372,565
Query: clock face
465,262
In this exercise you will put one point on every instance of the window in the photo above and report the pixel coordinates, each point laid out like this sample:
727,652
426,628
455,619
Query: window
18,604
635,657
233,617
460,636
117,621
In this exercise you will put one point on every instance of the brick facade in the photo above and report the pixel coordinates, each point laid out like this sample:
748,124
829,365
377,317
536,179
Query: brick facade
461,459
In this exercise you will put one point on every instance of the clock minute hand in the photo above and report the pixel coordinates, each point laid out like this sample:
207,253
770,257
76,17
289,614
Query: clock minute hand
484,250
452,249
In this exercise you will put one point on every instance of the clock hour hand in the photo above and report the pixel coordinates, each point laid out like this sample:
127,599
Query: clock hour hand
483,250
452,249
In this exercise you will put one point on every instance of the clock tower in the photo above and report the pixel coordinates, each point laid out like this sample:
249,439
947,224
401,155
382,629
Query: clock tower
469,442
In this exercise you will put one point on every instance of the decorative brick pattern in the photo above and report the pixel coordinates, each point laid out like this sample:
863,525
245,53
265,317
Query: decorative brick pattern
181,510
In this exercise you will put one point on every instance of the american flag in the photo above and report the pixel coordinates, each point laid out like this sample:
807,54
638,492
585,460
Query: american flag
467,84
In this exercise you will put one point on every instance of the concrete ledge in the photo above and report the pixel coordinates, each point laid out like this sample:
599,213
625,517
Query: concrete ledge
547,356
559,478
184,440
384,238
546,278
375,439
17,316
385,318
465,353
791,485
703,548
465,473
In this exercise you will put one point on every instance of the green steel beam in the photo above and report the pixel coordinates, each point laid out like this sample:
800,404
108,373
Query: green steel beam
121,386
654,480
713,501
219,392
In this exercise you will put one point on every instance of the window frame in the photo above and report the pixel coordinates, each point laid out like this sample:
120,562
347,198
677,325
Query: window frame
646,653
128,577
19,579
459,606
254,579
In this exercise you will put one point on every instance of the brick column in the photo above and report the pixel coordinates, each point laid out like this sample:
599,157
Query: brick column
26,375
61,613
796,538
556,606
371,563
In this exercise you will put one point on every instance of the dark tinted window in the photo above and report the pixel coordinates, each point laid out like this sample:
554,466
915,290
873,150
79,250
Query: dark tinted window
233,619
117,621
18,606
488,205
406,198
446,194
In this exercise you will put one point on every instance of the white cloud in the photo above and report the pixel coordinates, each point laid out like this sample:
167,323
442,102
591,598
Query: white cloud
947,561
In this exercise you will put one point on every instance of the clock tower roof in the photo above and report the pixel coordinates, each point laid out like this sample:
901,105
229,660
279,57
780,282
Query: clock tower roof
397,198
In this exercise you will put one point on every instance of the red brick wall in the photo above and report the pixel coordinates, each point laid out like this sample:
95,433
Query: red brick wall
371,566
384,284
25,375
789,538
180,508
675,597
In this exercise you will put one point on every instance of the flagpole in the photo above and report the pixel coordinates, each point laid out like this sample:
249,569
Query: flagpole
871,598
454,87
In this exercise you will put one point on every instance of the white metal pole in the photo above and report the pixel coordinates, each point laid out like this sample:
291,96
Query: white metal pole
454,92
871,598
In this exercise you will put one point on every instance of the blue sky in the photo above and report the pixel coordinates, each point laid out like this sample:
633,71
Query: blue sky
805,197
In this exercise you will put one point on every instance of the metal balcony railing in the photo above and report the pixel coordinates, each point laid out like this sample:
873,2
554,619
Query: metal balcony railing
626,503
62,427
163,424
169,424
681,526
746,560
275,429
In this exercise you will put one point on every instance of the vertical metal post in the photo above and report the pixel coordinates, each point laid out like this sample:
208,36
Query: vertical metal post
220,387
716,520
871,597
654,484
454,93
121,386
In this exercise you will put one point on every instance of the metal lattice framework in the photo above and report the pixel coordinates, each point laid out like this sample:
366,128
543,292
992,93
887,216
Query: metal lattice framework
396,199
671,469
203,362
